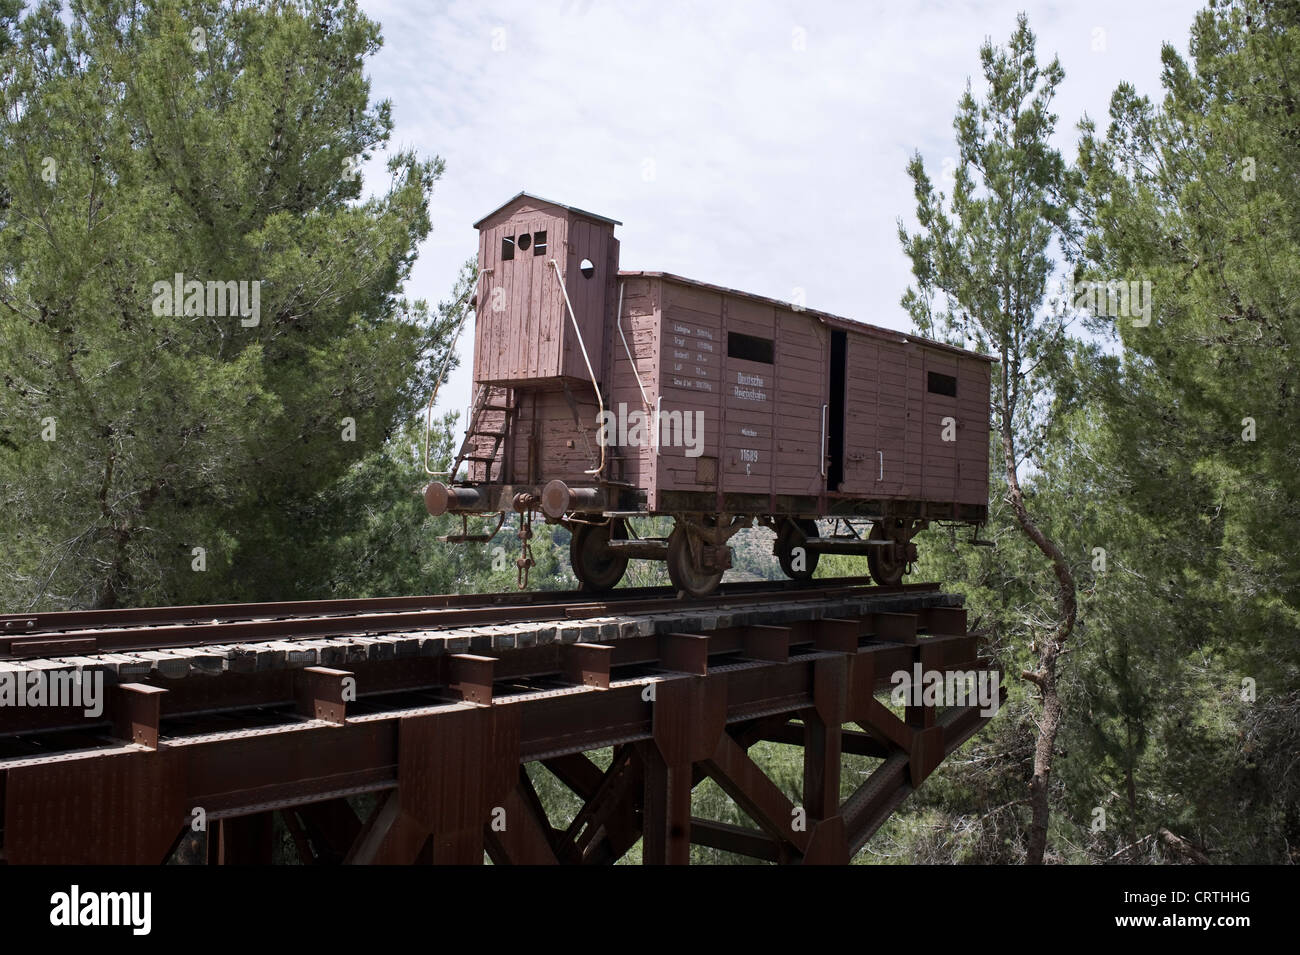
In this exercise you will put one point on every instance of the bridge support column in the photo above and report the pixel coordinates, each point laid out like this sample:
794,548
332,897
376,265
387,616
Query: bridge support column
690,714
455,772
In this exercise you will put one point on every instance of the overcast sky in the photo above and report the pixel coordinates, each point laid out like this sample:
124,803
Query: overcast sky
760,146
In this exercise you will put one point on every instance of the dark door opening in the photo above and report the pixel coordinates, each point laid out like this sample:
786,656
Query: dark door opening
835,412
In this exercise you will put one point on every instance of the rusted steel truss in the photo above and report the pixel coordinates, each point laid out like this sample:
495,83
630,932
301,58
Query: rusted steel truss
437,755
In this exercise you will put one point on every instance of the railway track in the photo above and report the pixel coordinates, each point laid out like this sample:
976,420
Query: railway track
432,706
79,632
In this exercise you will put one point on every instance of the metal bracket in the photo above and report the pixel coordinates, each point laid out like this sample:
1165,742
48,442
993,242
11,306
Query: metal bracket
465,537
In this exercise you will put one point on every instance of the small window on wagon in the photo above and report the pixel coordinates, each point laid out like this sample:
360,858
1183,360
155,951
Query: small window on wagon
539,243
749,347
507,247
942,385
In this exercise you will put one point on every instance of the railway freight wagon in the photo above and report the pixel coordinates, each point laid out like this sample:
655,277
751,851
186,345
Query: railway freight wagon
604,396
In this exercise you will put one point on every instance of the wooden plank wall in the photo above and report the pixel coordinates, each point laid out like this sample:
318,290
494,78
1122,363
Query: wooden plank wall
762,422
692,348
973,431
586,239
939,480
879,398
864,428
803,384
522,341
544,422
891,411
765,422
749,403
641,310
912,362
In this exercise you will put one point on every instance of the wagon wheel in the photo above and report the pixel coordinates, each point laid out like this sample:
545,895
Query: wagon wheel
887,571
793,533
594,564
683,570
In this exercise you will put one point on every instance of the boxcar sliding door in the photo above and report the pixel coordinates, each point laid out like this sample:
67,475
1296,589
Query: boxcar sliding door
800,376
875,418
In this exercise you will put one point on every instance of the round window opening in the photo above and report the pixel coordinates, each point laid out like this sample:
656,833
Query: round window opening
587,268
524,240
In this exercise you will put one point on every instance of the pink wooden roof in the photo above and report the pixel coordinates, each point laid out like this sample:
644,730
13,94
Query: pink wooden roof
846,323
548,202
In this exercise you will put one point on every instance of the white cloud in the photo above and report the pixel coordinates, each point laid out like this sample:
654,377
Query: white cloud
775,166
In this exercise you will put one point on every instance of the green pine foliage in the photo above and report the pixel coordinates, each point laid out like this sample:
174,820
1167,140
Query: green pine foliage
219,142
1199,195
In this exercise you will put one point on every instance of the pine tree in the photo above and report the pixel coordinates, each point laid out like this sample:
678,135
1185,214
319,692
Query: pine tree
981,262
163,447
1199,196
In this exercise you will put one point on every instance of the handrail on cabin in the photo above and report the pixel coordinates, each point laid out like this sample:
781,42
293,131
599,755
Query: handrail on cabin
428,416
582,345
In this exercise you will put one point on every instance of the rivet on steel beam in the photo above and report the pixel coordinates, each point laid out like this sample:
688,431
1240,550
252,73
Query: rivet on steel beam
587,664
138,713
322,695
471,677
926,754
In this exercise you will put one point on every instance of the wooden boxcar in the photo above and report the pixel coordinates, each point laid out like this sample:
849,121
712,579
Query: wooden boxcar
602,396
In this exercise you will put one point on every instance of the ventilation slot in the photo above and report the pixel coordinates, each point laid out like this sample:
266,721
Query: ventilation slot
942,385
749,347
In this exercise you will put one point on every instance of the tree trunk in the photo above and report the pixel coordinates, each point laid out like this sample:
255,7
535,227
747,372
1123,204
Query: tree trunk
117,577
1130,783
1045,676
1044,750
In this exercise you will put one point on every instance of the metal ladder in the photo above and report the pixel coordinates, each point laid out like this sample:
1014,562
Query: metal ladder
468,450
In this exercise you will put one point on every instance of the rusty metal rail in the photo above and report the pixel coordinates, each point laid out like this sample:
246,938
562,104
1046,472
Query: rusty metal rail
17,623
87,631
